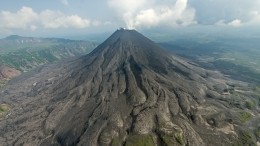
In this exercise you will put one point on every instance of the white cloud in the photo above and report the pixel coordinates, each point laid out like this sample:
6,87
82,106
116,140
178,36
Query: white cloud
27,18
210,12
146,14
252,20
235,23
145,17
23,19
255,18
56,19
127,5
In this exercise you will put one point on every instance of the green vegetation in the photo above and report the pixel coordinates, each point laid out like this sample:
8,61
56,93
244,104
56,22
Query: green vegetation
167,140
245,139
257,89
25,60
116,142
174,139
237,100
2,83
238,71
140,140
241,101
236,57
3,109
248,59
24,53
257,133
171,136
257,94
245,116
250,104
9,46
179,138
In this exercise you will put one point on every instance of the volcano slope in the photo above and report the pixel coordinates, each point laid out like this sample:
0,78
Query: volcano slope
127,91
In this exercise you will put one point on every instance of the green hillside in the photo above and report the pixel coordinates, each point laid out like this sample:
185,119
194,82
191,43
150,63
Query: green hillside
25,53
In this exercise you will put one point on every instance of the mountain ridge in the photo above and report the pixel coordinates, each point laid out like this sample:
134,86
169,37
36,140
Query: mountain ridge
26,53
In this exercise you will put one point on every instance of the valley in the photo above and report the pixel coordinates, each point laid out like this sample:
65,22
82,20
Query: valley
22,54
236,57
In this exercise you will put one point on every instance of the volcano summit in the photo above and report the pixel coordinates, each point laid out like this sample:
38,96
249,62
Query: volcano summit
128,91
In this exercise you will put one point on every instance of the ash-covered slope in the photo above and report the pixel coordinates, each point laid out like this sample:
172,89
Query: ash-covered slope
127,91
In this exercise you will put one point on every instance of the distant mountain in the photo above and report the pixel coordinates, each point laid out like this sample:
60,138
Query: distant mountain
26,53
128,91
14,37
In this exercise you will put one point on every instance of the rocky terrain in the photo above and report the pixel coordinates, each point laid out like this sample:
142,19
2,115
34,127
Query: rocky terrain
128,91
7,73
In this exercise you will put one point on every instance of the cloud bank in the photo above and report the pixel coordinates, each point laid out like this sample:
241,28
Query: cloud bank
56,19
151,13
226,12
23,18
138,14
175,13
27,18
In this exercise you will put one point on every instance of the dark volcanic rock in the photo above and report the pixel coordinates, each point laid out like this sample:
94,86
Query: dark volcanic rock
127,91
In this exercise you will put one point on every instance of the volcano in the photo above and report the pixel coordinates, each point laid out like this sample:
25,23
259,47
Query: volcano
128,91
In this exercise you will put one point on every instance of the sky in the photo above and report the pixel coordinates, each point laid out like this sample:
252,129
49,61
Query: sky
53,18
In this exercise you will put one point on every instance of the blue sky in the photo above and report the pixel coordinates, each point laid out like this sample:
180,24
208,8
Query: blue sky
78,17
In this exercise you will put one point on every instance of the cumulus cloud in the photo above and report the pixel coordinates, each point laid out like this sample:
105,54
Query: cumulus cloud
23,19
127,5
27,18
56,19
253,20
235,23
225,12
152,13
